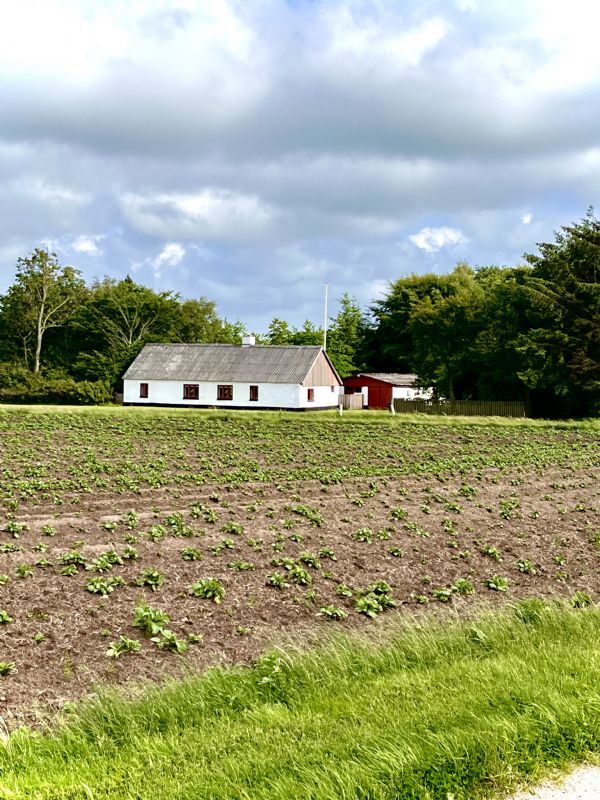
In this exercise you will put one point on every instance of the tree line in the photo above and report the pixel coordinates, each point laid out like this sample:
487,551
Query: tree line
496,333
62,340
530,332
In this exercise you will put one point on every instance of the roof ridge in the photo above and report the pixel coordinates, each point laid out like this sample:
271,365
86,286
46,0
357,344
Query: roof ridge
228,344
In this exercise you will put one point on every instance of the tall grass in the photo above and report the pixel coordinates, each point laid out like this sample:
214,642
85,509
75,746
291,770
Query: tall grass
348,417
433,712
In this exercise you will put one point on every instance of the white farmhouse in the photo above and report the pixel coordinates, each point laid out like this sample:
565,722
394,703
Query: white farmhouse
232,376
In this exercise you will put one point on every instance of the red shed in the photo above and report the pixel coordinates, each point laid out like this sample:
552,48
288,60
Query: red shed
379,387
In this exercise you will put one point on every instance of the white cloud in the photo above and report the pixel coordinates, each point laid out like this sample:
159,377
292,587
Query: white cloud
52,245
66,42
253,150
568,33
87,245
138,47
386,37
171,255
52,194
210,214
433,239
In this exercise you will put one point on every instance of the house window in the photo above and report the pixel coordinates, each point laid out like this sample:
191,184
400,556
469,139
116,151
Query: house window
143,390
191,391
254,393
311,396
225,392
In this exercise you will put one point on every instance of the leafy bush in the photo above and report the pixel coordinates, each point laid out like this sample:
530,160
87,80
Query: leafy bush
298,574
581,600
151,578
463,586
191,554
525,566
313,515
443,594
150,620
103,586
242,566
233,527
497,582
167,640
310,559
123,645
333,612
374,599
73,558
277,579
327,552
209,588
363,535
38,389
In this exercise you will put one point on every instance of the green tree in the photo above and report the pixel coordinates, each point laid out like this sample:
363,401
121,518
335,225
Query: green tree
563,350
444,326
346,336
389,345
279,332
121,316
232,332
116,322
198,321
308,334
44,296
508,313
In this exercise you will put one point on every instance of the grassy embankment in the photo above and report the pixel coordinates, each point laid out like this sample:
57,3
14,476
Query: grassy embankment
433,711
331,415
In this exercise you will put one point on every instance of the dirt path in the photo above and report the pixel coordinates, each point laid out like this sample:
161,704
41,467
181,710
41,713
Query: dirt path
582,784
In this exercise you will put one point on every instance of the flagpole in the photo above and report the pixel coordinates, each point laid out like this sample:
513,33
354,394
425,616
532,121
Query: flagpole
325,320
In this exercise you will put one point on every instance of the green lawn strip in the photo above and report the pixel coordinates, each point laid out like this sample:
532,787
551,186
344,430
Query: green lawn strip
434,712
293,417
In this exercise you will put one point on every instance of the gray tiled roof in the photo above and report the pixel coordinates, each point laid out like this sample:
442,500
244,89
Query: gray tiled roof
395,378
223,362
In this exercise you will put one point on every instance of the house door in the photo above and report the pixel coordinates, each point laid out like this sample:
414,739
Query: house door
380,396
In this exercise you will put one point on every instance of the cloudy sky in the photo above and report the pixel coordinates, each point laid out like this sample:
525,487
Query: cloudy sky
252,150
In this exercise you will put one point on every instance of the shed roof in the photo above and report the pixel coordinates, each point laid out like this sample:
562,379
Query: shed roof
394,378
225,362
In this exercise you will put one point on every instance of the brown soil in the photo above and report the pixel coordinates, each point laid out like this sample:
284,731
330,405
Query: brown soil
550,523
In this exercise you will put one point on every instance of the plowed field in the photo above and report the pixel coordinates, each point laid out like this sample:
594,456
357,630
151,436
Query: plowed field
245,529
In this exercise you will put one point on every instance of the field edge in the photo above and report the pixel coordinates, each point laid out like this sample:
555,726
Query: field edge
483,705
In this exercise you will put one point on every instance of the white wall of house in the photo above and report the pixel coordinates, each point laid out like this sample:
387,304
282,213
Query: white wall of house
324,397
411,393
270,395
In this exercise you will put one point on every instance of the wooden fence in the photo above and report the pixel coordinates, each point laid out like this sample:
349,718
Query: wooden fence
352,401
462,408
